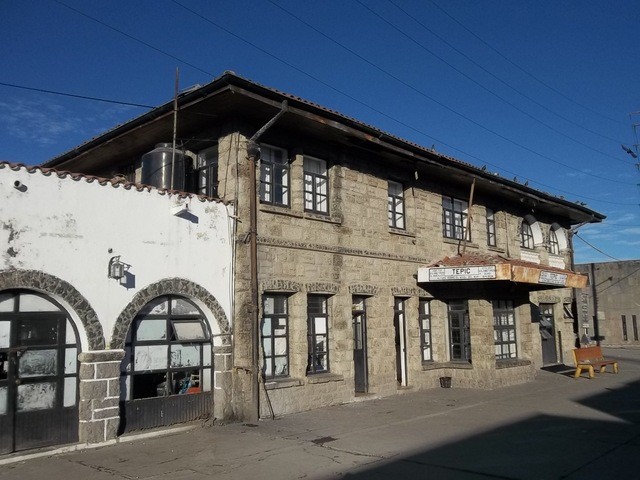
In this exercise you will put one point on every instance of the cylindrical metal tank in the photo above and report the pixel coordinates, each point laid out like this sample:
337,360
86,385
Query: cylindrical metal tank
159,170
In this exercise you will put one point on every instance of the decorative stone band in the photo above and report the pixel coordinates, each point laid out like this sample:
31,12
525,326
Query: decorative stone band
409,292
319,287
363,289
275,285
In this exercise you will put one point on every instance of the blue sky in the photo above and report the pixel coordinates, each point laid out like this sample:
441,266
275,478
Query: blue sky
541,91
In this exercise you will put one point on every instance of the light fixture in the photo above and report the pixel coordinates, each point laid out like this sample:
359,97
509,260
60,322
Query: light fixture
116,268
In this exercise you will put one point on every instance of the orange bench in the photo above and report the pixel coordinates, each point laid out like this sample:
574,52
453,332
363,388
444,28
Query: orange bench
589,358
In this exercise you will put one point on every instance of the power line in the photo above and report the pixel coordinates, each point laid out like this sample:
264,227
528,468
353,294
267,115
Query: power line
523,70
83,97
596,248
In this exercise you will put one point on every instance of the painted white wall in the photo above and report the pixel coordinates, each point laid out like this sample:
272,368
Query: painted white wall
67,226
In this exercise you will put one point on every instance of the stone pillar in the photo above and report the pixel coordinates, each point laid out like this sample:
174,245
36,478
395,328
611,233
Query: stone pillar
482,343
99,395
222,381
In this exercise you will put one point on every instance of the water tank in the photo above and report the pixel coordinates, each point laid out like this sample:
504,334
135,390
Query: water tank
159,170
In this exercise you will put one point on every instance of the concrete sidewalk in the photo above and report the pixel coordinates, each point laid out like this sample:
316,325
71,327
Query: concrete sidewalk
554,427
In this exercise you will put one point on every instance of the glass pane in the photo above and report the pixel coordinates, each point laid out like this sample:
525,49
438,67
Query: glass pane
321,343
150,357
149,385
70,360
280,346
188,331
125,366
36,363
38,332
157,306
70,337
125,387
185,355
69,391
181,306
206,380
321,325
426,354
3,400
185,382
267,368
4,365
6,302
206,355
151,330
280,304
280,327
36,396
34,303
281,366
266,326
268,306
5,334
266,346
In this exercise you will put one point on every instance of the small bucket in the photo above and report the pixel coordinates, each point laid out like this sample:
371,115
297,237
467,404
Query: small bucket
445,382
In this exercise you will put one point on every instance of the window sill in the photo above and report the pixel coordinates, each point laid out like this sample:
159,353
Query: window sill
322,218
275,384
515,362
496,249
279,210
399,231
324,378
454,365
454,241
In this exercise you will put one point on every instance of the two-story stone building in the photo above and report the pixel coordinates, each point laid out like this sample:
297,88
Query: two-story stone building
364,265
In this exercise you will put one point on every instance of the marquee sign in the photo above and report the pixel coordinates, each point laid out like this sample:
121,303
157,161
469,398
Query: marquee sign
466,272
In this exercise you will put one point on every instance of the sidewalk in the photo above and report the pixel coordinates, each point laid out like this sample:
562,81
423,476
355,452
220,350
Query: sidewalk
554,427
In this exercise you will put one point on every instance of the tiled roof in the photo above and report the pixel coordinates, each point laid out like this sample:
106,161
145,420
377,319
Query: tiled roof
115,182
482,259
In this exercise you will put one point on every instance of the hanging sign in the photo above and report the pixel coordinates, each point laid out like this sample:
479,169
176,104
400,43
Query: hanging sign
553,278
446,274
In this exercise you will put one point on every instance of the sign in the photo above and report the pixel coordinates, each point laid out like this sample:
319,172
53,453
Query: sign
553,278
446,274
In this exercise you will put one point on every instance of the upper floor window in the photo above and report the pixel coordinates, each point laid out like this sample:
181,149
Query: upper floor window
274,176
454,218
526,235
554,244
395,202
491,228
206,172
275,335
315,185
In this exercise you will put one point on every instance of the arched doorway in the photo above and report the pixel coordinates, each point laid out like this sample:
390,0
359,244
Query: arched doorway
166,374
38,372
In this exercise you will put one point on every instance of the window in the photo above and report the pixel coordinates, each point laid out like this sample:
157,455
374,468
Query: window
491,228
275,335
274,176
424,317
504,329
315,185
454,218
317,334
459,331
168,350
635,327
554,245
625,337
395,202
526,235
206,172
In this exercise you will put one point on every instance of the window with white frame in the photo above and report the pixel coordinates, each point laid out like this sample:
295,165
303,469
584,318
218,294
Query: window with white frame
275,335
424,317
526,235
395,202
317,334
504,329
274,176
554,244
454,218
315,185
491,228
206,172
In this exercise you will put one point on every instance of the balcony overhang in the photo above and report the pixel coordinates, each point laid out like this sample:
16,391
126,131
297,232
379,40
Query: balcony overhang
496,268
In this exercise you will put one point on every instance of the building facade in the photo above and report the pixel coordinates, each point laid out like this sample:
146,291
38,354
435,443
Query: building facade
614,292
364,265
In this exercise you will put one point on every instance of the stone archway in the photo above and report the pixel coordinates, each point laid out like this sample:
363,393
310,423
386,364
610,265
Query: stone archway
52,285
176,286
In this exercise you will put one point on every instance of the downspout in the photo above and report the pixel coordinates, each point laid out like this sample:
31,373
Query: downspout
253,155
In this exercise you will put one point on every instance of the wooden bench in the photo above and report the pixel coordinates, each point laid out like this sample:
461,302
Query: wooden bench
589,358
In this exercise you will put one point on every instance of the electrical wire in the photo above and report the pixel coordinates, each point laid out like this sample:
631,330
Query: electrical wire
596,248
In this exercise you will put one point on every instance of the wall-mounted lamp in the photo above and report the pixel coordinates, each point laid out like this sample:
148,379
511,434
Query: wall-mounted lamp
116,268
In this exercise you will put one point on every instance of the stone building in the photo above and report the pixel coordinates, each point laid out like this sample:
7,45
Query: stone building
364,265
113,298
614,290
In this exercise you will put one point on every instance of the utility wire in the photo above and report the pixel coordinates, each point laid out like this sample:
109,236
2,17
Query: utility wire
596,248
542,82
474,122
83,97
523,94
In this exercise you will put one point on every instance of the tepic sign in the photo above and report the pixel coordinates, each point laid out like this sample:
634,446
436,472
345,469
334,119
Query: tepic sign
552,278
447,274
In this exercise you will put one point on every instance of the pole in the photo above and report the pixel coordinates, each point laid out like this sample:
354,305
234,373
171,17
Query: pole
175,127
467,226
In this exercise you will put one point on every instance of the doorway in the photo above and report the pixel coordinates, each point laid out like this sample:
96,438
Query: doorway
399,323
359,321
547,335
38,373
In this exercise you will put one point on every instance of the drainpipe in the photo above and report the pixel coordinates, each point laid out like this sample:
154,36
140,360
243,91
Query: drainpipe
253,155
594,296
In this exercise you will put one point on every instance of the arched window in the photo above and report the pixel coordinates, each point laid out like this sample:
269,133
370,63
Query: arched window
526,235
554,244
168,350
